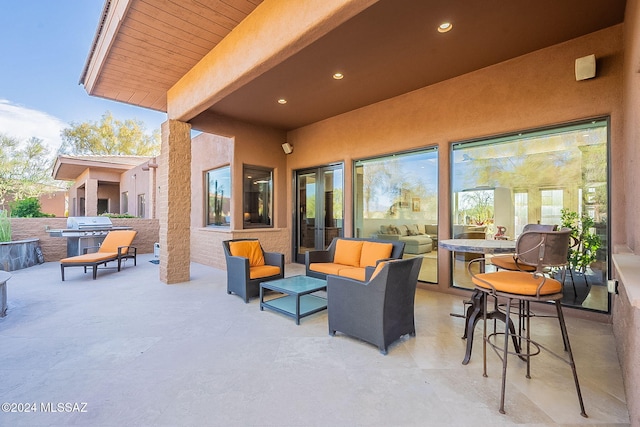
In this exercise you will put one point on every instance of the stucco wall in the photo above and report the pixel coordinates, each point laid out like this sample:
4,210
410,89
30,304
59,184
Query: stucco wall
626,324
229,142
531,91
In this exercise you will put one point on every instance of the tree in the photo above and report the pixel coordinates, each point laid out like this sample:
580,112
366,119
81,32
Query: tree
25,168
109,137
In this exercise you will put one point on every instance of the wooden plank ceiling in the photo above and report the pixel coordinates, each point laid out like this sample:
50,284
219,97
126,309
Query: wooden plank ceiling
158,41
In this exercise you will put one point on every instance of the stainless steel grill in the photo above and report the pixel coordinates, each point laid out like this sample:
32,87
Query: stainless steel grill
84,232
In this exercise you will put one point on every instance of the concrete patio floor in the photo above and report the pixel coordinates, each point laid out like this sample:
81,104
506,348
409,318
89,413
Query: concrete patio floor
128,350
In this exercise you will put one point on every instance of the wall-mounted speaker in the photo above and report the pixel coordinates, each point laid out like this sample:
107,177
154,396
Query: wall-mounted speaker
287,148
585,67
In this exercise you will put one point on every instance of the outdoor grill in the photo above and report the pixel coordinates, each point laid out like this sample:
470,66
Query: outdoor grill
84,232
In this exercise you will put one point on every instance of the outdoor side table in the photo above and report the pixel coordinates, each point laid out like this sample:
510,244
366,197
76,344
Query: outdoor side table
475,310
297,301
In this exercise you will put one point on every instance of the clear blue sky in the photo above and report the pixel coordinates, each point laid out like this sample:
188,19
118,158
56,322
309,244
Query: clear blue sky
44,45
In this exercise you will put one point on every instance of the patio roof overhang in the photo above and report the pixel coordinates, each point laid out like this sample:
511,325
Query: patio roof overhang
236,58
69,168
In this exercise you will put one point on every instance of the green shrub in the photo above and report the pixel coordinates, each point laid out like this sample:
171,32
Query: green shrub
28,208
115,215
585,243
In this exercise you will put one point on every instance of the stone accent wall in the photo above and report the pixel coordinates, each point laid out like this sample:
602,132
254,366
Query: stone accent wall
17,255
206,243
55,248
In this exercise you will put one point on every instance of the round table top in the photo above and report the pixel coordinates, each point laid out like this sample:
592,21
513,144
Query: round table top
478,246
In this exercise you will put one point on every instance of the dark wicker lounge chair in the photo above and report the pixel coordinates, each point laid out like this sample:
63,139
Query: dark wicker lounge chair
245,272
378,311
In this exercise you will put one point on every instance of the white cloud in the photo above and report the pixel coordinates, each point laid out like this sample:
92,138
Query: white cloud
23,123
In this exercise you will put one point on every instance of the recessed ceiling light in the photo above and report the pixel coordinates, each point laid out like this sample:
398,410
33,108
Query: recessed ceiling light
282,101
445,27
338,76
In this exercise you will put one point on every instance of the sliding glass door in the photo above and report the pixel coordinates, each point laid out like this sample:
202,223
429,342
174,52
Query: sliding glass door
319,203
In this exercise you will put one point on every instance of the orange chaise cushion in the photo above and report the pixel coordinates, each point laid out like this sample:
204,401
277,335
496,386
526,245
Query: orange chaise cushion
373,251
248,249
117,238
517,282
348,252
89,258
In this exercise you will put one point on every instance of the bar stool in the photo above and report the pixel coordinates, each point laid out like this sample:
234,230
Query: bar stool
511,262
541,249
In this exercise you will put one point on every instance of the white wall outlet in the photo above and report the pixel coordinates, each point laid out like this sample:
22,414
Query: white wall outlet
612,286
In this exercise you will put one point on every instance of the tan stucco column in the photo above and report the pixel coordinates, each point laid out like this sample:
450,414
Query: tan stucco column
174,210
91,197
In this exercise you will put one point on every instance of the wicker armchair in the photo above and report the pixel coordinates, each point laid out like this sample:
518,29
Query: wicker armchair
248,265
378,311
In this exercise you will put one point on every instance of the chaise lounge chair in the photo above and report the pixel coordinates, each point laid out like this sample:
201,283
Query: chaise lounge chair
115,247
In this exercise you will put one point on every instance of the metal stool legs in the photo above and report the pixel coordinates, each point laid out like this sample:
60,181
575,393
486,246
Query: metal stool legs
526,353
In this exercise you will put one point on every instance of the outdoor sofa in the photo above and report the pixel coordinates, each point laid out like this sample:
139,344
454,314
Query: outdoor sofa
351,257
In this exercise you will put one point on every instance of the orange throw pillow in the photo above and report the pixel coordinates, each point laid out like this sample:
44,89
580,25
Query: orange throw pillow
348,252
372,252
249,249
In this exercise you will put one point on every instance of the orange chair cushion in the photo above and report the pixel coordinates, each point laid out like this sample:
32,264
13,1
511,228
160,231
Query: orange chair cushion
263,271
248,249
508,262
373,251
90,258
517,283
348,252
117,238
378,269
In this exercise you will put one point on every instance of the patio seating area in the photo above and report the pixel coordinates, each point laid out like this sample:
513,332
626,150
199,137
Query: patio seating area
139,352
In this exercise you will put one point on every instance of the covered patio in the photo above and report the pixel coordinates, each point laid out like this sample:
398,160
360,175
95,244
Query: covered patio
138,352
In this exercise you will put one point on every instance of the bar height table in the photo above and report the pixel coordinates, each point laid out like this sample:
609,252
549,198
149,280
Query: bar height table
474,312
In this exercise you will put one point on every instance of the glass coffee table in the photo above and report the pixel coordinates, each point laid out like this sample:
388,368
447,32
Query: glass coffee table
297,301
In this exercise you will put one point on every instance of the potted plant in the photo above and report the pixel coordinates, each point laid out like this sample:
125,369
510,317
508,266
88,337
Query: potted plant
5,227
585,242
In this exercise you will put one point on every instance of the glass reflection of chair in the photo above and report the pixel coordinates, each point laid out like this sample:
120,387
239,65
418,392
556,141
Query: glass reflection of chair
542,250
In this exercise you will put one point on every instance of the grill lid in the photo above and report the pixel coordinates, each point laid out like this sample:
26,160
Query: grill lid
88,222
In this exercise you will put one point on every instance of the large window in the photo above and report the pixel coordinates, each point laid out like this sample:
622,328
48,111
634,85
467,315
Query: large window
124,206
258,197
219,196
541,177
142,203
396,198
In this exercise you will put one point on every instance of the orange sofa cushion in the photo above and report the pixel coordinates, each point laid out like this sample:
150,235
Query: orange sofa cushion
356,273
373,251
518,283
248,249
348,252
326,267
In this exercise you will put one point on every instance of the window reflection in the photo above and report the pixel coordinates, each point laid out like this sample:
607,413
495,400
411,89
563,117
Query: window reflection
219,196
396,198
257,187
504,183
